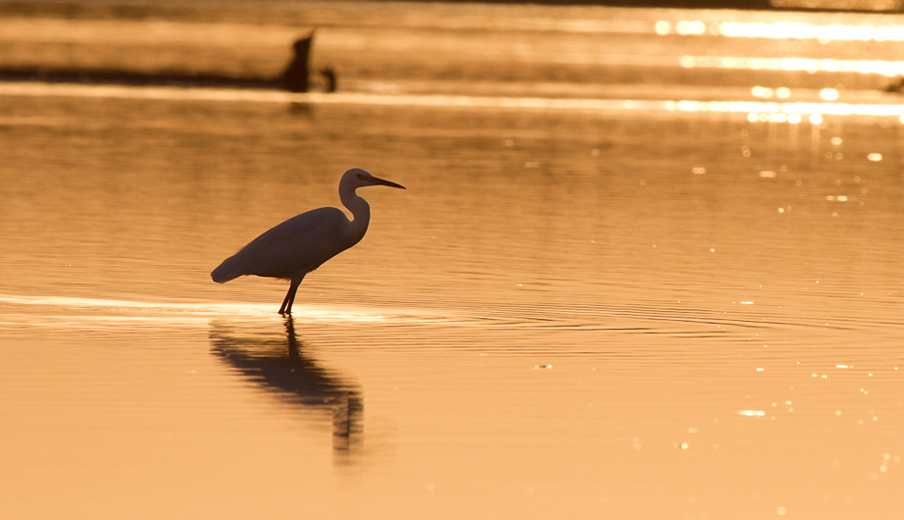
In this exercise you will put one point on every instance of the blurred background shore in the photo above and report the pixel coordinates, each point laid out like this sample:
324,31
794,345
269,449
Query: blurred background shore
494,49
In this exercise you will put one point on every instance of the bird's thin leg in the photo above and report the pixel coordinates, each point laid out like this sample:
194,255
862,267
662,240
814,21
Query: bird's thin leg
286,307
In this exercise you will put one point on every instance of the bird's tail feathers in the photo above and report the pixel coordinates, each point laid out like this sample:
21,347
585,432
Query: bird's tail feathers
230,269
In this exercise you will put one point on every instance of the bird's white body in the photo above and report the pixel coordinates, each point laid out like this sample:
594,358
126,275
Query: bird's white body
304,242
295,247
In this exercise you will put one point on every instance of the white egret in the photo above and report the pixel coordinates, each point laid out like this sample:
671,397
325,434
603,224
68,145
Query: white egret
304,242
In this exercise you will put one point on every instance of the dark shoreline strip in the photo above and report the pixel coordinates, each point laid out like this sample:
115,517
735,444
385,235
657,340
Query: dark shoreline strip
122,77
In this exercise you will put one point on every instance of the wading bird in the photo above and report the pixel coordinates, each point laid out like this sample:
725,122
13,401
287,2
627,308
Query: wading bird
304,242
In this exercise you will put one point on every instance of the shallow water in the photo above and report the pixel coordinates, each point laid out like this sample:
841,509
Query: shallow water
572,313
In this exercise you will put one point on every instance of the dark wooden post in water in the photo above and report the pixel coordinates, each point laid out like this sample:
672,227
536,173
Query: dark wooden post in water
330,76
296,74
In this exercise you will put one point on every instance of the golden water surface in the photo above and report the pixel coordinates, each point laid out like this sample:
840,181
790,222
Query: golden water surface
570,313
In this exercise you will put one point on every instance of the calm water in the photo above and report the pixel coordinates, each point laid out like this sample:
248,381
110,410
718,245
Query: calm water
571,312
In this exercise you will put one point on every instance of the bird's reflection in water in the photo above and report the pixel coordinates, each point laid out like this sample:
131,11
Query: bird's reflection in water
282,367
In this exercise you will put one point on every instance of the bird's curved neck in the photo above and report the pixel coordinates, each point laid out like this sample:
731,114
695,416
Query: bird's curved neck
360,211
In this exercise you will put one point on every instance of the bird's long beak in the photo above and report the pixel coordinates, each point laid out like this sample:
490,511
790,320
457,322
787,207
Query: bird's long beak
382,182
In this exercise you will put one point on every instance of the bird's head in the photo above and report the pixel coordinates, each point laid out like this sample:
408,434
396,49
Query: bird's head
357,178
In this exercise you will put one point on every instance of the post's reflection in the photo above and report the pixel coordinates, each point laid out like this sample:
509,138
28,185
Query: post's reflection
282,367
